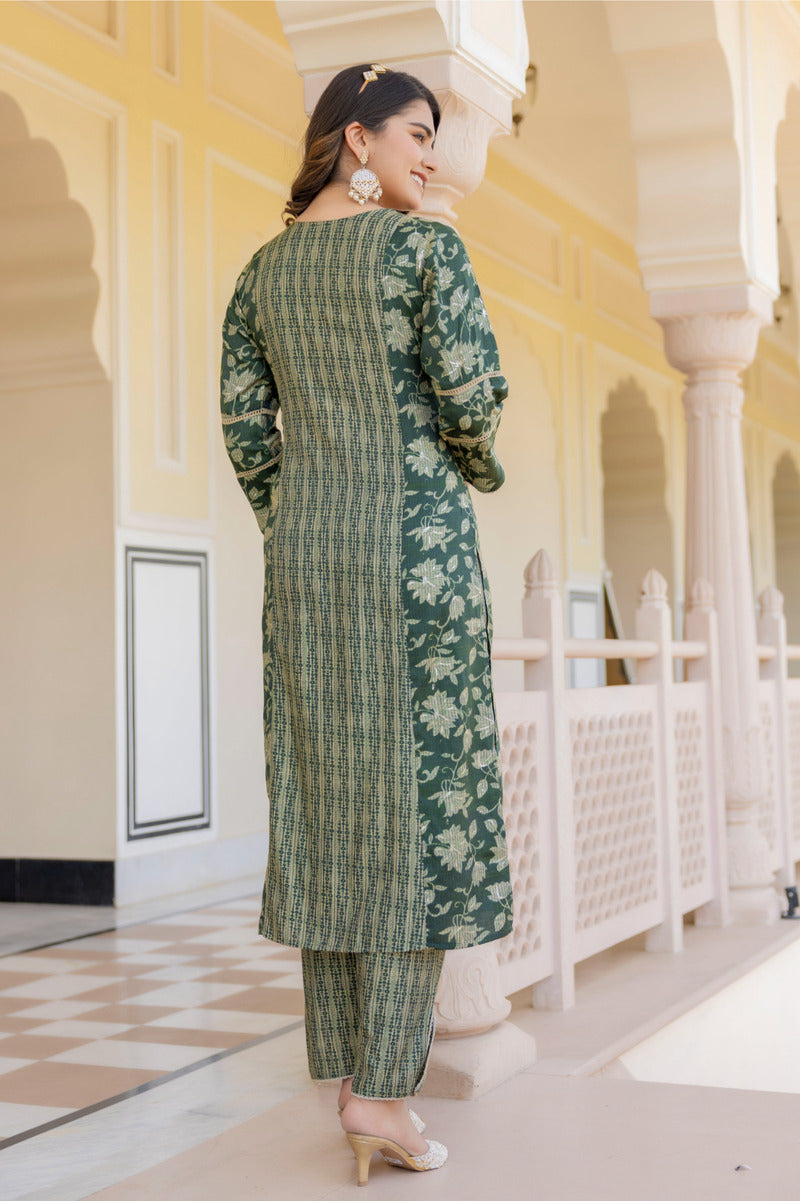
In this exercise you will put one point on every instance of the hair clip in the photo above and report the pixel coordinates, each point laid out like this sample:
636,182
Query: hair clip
373,73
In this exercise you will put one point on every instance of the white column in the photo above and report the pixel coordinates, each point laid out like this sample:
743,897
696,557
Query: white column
462,143
712,341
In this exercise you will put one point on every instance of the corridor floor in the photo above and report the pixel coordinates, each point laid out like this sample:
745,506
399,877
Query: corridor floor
104,1016
165,1061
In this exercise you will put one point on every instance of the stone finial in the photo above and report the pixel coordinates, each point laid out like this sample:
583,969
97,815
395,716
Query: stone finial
540,574
770,602
701,597
653,590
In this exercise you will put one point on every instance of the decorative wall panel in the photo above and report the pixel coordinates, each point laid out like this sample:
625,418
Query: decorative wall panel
586,439
521,238
167,691
166,38
778,394
169,317
618,295
578,270
102,20
252,76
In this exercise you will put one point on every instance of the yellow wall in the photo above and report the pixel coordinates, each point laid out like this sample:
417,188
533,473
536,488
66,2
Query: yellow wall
201,119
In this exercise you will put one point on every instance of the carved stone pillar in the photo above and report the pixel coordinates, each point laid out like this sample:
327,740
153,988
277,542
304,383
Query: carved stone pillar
462,143
712,347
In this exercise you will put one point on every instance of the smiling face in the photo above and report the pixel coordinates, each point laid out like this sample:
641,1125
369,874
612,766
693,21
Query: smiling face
401,155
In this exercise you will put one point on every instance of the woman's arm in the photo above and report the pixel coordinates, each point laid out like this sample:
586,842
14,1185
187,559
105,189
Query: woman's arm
459,356
249,403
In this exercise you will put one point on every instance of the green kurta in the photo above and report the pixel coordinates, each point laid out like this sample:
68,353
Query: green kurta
382,751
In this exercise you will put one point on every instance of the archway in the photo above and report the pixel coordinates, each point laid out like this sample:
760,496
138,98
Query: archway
58,760
637,532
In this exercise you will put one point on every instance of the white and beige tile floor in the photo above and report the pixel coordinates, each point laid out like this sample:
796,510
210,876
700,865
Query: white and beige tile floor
165,1061
104,1015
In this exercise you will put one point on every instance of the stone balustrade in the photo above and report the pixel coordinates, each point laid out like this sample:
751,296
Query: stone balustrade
615,809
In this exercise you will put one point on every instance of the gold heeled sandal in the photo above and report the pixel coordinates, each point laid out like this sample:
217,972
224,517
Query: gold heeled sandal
416,1120
365,1145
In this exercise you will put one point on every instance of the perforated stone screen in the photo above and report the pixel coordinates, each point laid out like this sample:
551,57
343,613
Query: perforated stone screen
692,802
617,827
525,956
694,785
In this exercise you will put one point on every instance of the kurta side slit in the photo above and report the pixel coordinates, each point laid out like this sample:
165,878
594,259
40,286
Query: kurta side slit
382,751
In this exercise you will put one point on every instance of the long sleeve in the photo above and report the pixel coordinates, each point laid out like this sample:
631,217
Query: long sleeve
249,403
459,356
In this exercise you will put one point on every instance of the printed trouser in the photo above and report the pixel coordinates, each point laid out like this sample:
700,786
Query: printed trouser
369,1015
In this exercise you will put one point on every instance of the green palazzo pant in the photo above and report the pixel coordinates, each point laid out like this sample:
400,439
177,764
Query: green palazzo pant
369,1015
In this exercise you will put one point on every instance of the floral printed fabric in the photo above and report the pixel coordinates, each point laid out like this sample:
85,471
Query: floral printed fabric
384,777
249,401
450,391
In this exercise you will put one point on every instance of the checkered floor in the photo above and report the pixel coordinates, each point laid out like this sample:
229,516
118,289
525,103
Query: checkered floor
95,1017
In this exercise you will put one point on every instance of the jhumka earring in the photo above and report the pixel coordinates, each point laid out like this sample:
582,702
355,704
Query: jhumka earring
364,184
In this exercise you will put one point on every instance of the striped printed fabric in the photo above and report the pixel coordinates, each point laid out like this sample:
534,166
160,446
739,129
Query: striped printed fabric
370,1016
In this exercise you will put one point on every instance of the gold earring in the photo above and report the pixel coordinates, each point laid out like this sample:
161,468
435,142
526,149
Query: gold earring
364,184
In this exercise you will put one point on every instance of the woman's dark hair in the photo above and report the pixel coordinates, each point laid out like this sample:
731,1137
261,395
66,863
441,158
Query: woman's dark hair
343,101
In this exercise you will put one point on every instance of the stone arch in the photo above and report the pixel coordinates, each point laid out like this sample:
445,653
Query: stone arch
689,141
786,519
637,530
57,585
48,289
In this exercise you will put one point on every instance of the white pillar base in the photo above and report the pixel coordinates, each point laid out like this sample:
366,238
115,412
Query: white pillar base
754,906
465,1068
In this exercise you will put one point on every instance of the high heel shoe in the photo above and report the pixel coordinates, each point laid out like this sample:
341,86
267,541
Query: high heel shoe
365,1145
416,1120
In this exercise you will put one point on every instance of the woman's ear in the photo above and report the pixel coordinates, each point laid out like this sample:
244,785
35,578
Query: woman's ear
355,139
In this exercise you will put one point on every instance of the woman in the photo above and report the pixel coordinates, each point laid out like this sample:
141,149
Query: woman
365,326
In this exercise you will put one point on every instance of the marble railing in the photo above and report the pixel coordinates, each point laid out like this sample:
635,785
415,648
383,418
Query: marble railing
614,804
613,801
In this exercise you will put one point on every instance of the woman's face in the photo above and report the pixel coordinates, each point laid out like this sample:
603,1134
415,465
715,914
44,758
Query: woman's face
402,156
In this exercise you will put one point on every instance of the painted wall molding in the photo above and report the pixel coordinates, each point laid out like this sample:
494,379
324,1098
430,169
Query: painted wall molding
112,37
